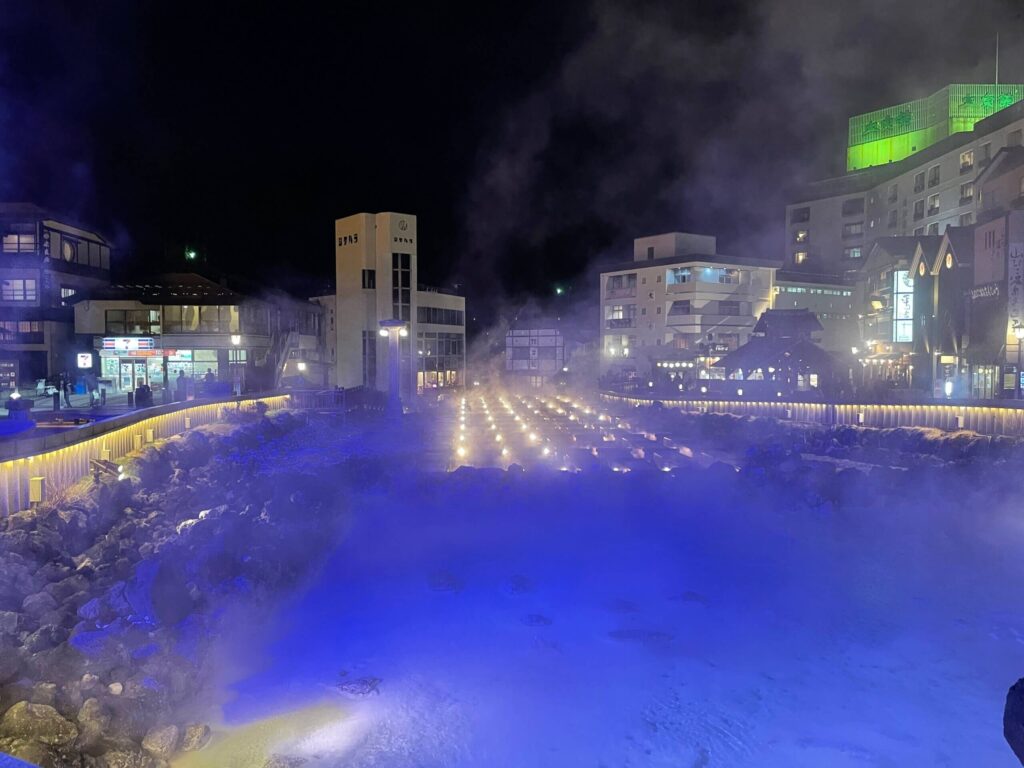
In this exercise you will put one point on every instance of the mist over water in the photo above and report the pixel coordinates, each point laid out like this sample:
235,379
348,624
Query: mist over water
693,618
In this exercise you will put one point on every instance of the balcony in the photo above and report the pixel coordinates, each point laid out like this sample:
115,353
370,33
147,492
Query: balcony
622,322
620,293
966,168
933,210
966,200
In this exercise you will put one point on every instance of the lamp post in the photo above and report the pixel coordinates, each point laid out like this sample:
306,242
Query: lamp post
394,330
1018,332
237,376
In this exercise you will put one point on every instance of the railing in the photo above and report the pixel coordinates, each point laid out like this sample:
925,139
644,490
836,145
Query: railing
620,322
63,459
1003,419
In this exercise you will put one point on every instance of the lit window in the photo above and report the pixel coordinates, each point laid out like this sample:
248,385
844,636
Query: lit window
851,253
19,243
966,192
18,290
801,236
966,160
933,204
800,257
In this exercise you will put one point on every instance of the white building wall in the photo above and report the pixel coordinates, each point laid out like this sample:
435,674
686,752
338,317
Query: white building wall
653,330
826,244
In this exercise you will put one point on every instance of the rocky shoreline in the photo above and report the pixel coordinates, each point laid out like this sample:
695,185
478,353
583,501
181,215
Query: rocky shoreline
109,595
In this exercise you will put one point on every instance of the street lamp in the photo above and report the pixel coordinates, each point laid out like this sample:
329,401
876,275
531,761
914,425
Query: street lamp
1018,332
394,330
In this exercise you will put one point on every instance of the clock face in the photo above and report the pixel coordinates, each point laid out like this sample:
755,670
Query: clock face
920,269
949,261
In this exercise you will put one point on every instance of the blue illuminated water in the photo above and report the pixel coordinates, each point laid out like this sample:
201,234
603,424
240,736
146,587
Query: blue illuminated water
606,620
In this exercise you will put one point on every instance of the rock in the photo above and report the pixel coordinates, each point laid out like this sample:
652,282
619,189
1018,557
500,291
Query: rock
44,638
34,753
162,741
38,604
10,664
284,761
40,722
93,721
157,592
1013,719
361,686
89,681
127,758
115,689
44,693
10,622
196,737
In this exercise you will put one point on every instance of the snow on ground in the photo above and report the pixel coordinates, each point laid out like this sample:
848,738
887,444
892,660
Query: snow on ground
485,618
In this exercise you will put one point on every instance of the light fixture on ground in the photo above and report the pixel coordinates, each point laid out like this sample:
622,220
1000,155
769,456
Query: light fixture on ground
394,330
1018,332
104,467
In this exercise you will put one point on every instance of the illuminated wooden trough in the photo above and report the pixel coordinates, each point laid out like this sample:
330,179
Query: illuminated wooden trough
983,419
38,467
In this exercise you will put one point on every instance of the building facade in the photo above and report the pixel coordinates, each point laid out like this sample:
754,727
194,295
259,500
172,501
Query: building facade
377,278
183,329
829,297
679,298
46,261
927,182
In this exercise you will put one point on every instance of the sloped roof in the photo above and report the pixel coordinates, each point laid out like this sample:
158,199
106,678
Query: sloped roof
1005,160
761,353
171,288
787,323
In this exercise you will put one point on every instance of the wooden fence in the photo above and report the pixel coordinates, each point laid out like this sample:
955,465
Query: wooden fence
62,459
984,419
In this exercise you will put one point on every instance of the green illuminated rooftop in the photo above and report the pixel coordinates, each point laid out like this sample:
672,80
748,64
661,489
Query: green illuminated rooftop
893,133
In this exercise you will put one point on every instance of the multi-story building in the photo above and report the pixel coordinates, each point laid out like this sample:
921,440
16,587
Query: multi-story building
535,353
943,277
46,260
996,313
679,298
829,297
184,325
377,271
913,172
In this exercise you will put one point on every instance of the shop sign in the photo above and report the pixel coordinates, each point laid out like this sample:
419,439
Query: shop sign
8,374
128,343
986,291
85,359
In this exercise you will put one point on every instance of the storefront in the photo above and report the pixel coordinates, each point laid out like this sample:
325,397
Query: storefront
126,362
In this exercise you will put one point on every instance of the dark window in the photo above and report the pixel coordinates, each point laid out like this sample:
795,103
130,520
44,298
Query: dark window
933,175
918,209
679,308
1013,138
855,229
728,307
853,206
893,192
115,322
370,359
650,252
892,218
369,278
919,182
800,215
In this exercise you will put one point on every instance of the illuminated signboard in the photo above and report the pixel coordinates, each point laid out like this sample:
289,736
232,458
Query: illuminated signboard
128,343
903,306
8,374
85,359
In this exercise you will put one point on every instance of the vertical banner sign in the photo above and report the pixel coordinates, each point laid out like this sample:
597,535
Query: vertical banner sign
1015,282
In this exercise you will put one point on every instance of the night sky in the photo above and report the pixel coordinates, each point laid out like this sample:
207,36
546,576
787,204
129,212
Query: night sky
531,139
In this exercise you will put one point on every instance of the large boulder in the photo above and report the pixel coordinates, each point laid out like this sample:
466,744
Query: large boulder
162,741
1013,719
158,592
39,722
196,737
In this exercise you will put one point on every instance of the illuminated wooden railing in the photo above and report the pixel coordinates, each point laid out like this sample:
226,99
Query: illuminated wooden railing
63,459
985,419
